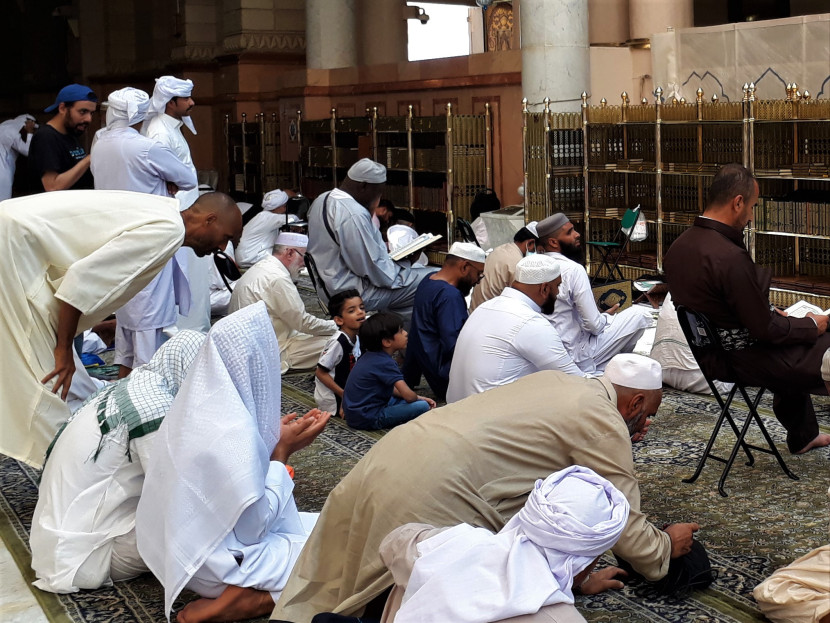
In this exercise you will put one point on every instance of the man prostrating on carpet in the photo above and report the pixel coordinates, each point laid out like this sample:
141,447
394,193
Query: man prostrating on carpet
217,515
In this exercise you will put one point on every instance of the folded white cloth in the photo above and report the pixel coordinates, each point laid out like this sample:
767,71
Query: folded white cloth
126,107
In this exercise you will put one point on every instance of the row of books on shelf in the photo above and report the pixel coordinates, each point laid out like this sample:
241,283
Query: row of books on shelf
567,193
324,156
434,159
566,148
793,217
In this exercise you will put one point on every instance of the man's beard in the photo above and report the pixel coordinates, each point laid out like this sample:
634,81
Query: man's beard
573,252
465,287
294,271
548,306
635,424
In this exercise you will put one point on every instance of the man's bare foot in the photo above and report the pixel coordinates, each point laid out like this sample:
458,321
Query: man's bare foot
233,604
821,440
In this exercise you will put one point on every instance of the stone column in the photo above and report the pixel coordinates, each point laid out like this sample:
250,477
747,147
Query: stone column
647,17
330,34
607,21
555,57
382,31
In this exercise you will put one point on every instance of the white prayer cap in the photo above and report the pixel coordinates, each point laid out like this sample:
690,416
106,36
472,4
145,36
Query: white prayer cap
369,171
825,366
292,239
127,107
468,251
168,87
274,199
634,371
535,269
531,227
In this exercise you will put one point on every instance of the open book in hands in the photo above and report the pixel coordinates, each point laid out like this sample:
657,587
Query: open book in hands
802,308
416,245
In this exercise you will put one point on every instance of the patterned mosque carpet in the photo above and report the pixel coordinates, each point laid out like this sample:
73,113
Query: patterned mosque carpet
767,521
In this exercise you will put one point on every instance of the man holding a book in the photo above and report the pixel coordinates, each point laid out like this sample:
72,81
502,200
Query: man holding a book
710,271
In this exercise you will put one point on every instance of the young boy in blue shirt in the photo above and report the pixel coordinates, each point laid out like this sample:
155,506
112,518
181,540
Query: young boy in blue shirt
341,352
376,396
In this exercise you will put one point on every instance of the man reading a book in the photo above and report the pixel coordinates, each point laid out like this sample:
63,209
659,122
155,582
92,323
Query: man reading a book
710,271
350,253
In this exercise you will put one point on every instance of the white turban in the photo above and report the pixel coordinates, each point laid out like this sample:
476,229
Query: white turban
274,199
535,269
168,87
292,239
369,171
634,371
126,107
470,575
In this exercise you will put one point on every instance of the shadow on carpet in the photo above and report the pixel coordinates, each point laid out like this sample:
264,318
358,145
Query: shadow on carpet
767,521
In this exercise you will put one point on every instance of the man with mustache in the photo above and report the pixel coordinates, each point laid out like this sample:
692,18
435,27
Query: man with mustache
508,337
57,161
438,315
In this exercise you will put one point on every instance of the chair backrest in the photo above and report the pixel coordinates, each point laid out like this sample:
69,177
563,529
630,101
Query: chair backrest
699,332
317,282
466,230
629,219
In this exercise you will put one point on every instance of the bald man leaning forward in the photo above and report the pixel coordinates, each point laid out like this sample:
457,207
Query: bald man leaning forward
475,464
69,265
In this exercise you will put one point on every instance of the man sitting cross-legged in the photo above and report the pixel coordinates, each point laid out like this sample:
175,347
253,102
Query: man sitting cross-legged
438,315
217,515
302,336
476,461
590,337
83,528
508,336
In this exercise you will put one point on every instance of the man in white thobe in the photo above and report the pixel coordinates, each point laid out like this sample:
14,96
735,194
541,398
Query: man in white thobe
592,338
83,527
169,109
302,336
123,159
508,337
350,253
260,233
216,514
71,264
15,138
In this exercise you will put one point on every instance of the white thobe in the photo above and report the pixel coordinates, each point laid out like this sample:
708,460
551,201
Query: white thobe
592,338
301,336
503,340
67,246
12,145
259,237
168,131
355,256
123,159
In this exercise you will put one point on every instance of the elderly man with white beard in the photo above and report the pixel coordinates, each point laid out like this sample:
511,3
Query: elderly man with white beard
301,335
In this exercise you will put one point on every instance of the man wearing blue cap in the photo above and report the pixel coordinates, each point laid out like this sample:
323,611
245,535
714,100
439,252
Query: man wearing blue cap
57,161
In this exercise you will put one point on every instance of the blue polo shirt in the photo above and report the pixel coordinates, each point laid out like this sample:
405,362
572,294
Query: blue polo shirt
369,389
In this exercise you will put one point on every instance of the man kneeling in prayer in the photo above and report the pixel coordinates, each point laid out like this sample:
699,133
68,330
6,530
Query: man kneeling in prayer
476,462
217,515
535,564
83,528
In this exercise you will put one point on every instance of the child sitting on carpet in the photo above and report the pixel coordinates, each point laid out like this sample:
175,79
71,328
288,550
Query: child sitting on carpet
376,396
341,352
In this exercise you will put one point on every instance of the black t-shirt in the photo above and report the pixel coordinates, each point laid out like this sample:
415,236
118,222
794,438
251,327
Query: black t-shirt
52,151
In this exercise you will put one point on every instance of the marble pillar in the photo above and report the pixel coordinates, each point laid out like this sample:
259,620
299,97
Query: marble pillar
555,55
382,31
647,17
331,29
608,22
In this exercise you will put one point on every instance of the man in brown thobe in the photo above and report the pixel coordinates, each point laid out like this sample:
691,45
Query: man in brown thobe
710,271
475,461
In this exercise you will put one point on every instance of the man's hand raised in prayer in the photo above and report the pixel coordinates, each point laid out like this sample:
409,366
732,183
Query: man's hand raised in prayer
682,536
298,432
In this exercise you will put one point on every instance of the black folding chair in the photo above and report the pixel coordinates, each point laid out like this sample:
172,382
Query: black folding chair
317,283
466,231
703,337
611,251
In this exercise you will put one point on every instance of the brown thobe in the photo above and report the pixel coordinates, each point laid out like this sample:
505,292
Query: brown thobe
710,271
499,270
474,461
